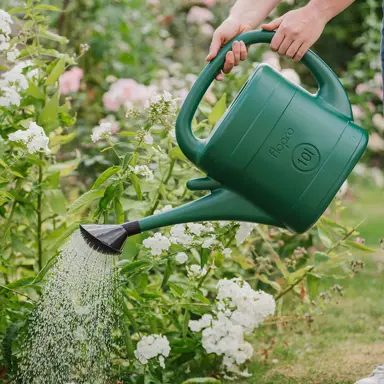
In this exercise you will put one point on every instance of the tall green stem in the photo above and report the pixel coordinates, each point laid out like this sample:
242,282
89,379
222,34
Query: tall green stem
39,220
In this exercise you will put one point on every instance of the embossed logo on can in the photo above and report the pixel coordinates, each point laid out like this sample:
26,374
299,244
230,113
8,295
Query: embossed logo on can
305,157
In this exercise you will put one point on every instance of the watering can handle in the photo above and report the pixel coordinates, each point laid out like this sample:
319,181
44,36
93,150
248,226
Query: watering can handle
330,90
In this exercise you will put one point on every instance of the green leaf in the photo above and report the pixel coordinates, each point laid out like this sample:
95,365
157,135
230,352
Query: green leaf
361,247
17,174
3,163
56,72
176,290
187,317
47,7
313,284
324,238
320,257
105,176
206,380
56,201
275,285
18,10
218,110
45,269
175,153
136,265
128,134
48,114
53,36
62,139
87,198
119,212
136,183
167,274
204,256
34,91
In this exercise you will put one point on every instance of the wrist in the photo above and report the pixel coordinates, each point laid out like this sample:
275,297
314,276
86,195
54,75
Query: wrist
242,20
320,10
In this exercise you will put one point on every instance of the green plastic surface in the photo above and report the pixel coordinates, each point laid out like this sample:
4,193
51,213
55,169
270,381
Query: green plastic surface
278,155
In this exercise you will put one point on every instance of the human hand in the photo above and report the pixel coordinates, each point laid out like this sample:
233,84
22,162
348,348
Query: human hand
230,28
296,31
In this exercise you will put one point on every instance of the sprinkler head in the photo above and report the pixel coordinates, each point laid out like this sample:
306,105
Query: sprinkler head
108,238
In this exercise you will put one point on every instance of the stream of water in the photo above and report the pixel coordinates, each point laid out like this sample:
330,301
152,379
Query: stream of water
70,332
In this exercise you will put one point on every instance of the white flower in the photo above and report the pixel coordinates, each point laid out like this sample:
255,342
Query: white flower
157,244
152,346
227,252
195,228
165,209
181,257
5,22
14,77
4,42
155,98
178,235
239,310
142,170
148,139
208,242
102,131
244,231
13,54
198,325
195,271
9,96
292,75
34,138
167,97
272,59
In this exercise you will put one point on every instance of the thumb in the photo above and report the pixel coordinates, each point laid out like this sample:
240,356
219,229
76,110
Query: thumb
214,48
274,24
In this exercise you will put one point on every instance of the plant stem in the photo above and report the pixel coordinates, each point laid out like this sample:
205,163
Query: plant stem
16,292
286,290
39,220
164,182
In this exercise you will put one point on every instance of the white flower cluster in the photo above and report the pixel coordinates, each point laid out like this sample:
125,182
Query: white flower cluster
11,83
195,271
102,131
5,31
142,170
182,234
240,309
34,138
156,98
244,231
157,243
152,346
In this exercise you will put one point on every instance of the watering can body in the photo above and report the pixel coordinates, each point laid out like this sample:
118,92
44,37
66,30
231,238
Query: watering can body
278,147
277,156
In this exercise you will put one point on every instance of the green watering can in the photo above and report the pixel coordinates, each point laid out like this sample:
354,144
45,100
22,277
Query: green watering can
277,156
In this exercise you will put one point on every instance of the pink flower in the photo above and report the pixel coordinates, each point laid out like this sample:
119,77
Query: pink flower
115,127
207,30
199,15
361,88
70,80
126,91
209,3
357,112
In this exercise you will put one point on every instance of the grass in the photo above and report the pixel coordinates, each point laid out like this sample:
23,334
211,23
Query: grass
345,343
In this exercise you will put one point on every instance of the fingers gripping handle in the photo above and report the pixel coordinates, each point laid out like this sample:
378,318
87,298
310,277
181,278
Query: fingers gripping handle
330,90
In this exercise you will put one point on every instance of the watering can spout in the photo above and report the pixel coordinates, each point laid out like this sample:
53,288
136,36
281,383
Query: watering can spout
221,204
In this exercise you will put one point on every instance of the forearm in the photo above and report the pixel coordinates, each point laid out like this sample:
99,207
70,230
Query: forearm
253,12
329,8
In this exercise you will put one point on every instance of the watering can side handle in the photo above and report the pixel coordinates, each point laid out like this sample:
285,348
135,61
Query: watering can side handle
330,89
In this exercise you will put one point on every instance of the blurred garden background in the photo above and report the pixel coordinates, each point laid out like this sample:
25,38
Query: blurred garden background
97,62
